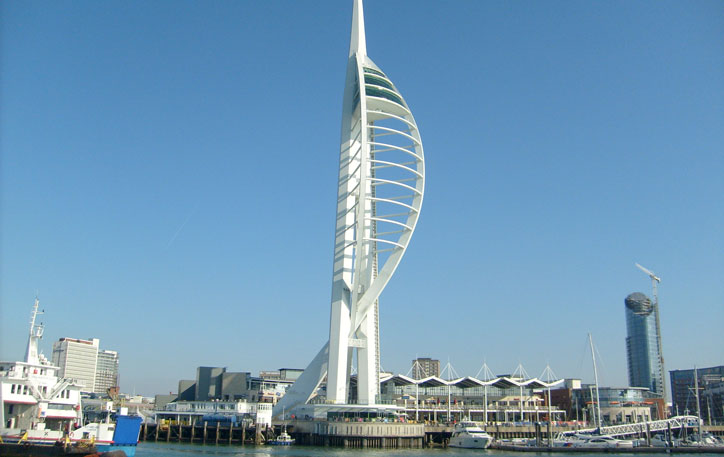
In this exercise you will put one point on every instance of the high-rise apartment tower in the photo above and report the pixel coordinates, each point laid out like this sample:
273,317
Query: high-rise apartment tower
642,345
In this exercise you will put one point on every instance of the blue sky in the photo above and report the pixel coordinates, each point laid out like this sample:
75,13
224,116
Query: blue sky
168,180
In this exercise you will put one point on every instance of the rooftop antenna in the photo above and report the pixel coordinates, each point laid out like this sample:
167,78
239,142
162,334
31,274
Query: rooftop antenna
655,280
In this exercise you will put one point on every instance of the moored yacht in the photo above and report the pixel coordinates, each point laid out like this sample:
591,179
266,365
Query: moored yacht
596,441
469,435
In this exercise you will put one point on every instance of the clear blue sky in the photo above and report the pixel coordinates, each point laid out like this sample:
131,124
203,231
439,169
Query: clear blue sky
169,180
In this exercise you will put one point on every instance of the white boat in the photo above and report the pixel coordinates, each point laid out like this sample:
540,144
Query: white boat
706,439
469,435
601,441
284,439
39,407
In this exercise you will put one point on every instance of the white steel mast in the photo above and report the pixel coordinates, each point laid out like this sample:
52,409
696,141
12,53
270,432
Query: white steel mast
597,405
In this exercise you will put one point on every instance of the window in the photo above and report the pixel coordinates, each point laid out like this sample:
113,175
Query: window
370,79
12,388
374,72
383,93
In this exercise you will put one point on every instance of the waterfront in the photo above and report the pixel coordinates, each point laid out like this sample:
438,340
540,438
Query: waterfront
193,450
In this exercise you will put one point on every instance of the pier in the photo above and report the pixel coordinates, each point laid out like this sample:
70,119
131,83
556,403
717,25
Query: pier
204,433
380,435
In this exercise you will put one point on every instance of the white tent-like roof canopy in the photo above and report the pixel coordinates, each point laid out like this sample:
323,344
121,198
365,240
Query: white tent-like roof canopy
469,381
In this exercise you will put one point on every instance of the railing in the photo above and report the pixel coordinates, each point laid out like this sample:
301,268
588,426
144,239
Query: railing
653,426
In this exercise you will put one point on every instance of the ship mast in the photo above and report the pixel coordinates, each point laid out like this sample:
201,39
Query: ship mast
597,405
35,334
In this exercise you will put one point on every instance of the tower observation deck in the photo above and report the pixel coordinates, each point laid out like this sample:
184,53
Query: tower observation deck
379,195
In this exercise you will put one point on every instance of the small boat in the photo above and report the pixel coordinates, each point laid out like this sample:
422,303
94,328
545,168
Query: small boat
284,439
469,435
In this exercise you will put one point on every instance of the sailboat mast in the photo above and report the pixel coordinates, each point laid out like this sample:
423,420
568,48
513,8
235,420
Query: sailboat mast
698,405
595,376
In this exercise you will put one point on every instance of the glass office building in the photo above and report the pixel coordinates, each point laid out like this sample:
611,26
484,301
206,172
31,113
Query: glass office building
642,345
711,387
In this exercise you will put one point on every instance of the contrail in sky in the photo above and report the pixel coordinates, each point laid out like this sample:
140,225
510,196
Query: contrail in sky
188,218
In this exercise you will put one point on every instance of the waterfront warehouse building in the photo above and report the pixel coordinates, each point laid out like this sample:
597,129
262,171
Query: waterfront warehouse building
642,345
711,392
218,384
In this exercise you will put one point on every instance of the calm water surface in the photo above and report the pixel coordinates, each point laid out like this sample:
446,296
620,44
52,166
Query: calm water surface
193,450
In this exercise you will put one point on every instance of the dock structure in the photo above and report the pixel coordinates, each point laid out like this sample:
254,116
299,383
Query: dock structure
205,433
635,450
381,435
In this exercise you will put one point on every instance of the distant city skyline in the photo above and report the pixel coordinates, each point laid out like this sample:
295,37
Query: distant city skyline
167,181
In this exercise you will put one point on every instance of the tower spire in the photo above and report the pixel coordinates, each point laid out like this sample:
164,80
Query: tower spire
373,227
357,42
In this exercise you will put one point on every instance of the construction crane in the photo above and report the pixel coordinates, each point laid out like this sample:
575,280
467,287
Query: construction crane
655,280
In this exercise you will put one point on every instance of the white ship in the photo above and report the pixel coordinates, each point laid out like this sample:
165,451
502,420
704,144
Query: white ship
469,435
38,407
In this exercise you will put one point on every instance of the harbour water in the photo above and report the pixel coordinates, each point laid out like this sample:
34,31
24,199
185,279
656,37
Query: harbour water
194,450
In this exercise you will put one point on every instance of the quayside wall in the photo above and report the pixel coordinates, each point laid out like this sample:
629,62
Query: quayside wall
382,435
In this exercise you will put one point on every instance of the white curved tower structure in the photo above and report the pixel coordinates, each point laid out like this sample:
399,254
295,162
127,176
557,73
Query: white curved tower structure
380,191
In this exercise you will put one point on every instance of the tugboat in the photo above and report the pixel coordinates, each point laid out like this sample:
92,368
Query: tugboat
41,414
